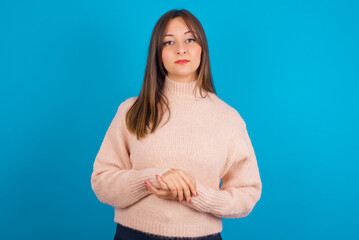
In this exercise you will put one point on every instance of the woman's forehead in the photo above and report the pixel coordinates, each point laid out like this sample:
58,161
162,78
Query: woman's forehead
177,26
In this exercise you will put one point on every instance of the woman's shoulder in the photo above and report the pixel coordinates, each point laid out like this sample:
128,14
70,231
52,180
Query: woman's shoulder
127,103
229,111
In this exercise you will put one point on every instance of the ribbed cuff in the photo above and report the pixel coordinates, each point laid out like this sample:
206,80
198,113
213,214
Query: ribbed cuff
136,180
208,200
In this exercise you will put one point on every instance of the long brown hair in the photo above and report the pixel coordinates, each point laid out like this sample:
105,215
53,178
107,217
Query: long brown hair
149,106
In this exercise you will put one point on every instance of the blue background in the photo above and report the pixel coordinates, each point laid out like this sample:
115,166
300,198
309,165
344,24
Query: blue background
289,67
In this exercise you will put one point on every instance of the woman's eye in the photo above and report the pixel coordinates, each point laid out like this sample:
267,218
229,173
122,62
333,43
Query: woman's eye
169,42
166,43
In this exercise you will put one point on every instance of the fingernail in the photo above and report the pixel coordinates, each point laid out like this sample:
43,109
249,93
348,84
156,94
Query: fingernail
156,176
190,201
146,186
181,200
196,194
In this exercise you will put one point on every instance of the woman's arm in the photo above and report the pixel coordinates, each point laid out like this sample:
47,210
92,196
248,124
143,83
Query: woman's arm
241,186
113,180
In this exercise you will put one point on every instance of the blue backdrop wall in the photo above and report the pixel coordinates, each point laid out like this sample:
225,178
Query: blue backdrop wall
290,68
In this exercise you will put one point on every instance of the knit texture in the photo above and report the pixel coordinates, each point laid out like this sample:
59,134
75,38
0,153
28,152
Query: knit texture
207,139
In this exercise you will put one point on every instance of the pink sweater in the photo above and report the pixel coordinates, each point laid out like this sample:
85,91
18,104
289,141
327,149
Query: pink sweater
207,139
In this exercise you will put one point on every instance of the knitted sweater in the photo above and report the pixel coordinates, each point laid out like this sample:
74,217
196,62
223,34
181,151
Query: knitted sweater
207,139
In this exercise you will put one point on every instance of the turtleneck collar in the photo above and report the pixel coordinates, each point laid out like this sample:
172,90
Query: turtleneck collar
181,90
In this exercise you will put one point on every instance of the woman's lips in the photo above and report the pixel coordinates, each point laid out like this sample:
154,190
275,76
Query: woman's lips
182,61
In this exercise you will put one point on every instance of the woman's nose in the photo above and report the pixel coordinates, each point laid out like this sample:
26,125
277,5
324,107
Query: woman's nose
181,48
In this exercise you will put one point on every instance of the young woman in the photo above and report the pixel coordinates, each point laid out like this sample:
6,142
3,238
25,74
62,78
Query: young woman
163,177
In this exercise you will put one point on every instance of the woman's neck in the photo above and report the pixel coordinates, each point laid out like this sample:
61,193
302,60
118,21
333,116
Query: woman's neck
183,79
181,90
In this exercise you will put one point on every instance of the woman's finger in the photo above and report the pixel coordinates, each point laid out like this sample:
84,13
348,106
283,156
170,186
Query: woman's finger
190,182
158,192
161,182
172,186
179,189
185,188
165,187
180,185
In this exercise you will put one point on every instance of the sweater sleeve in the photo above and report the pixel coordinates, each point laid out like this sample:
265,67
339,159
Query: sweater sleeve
113,180
241,185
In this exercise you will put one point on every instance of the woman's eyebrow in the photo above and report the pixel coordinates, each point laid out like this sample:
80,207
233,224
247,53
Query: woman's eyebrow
169,34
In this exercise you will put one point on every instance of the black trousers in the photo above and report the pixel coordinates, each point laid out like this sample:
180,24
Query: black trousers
125,233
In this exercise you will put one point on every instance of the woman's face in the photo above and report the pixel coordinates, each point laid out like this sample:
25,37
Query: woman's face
179,44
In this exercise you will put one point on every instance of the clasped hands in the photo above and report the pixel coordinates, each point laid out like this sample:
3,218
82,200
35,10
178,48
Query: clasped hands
174,184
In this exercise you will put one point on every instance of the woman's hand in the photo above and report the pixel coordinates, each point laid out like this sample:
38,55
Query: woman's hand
174,184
